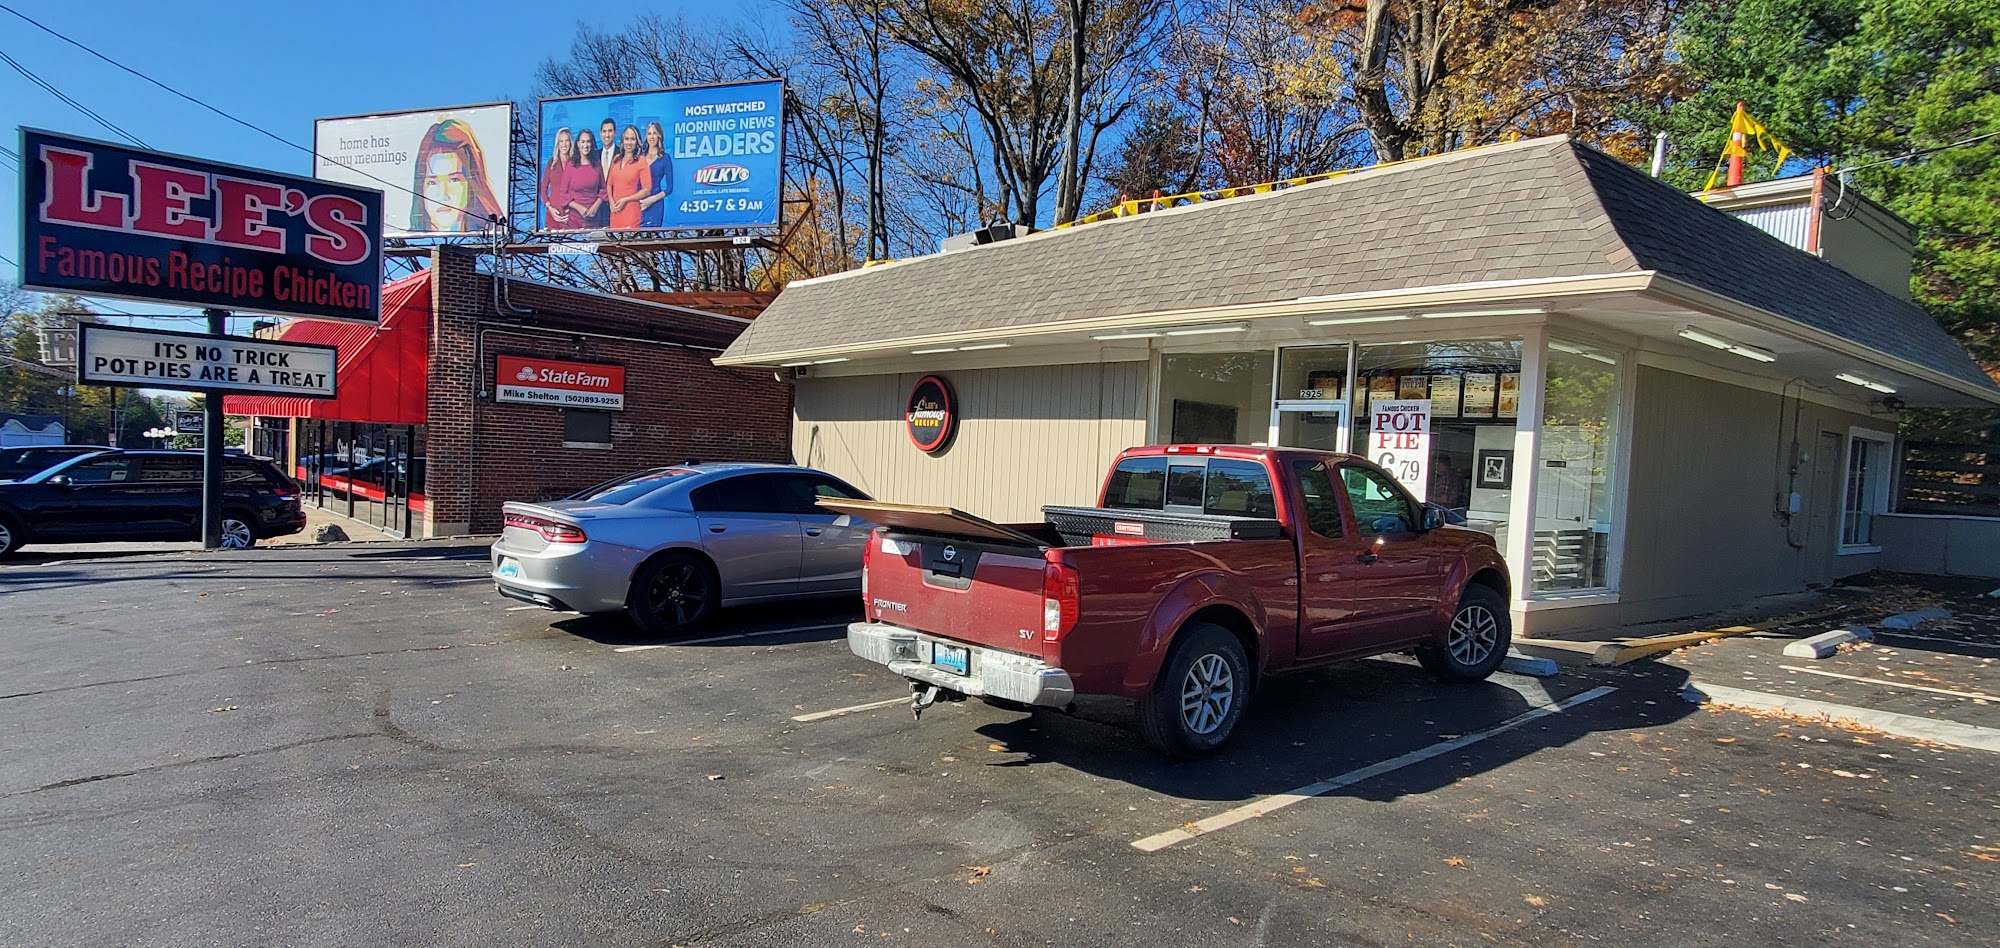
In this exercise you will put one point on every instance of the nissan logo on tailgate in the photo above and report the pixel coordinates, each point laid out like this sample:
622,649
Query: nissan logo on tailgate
950,553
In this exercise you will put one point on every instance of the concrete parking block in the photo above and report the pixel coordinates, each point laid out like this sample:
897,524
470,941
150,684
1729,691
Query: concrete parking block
1911,620
1827,643
1533,667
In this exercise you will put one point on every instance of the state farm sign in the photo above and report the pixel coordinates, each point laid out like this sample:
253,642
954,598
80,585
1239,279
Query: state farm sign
562,384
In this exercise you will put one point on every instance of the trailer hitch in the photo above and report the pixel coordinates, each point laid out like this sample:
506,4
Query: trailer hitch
922,696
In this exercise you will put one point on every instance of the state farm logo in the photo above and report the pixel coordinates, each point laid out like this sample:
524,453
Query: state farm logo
525,375
722,174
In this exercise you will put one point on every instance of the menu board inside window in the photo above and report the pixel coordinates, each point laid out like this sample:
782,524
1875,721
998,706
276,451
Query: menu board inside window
1444,396
1381,388
1413,387
1481,389
1328,385
1510,394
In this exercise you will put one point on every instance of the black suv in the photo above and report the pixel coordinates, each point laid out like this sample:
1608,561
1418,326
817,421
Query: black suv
17,463
146,495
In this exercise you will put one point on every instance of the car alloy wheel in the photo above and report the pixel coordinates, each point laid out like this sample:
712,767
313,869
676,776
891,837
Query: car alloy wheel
1474,634
679,593
236,535
7,538
1207,693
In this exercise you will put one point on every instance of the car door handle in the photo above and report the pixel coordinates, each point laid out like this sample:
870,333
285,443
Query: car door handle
1367,557
813,531
717,528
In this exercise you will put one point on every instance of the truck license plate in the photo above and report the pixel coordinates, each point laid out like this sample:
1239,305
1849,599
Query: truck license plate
957,658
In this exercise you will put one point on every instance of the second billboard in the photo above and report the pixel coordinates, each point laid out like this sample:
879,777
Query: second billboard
440,171
670,159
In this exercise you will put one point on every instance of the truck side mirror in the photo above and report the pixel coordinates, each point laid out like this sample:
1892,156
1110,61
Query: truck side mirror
1433,518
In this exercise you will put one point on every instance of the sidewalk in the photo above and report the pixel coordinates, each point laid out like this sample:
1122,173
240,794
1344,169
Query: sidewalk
317,517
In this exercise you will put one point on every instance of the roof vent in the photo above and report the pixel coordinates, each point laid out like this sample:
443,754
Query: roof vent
991,233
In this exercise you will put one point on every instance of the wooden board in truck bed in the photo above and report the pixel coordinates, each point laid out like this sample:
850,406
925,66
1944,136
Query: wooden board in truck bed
922,518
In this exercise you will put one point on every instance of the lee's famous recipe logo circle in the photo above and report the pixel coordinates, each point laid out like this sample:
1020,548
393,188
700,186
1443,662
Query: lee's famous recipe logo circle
931,415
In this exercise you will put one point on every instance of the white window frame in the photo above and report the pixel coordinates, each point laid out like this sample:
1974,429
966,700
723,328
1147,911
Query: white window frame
1877,500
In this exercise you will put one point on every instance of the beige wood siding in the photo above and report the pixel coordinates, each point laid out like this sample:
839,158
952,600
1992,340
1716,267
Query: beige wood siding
1709,466
1026,436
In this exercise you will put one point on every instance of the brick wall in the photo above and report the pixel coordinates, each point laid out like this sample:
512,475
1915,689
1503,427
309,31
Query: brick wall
678,405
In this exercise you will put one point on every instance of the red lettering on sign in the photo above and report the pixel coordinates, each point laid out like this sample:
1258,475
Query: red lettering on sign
242,214
161,201
70,200
338,219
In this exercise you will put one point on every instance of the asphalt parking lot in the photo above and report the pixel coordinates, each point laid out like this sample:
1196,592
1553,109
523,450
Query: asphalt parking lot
365,745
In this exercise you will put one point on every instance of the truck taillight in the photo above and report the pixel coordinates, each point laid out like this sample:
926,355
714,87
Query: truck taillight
867,560
1060,593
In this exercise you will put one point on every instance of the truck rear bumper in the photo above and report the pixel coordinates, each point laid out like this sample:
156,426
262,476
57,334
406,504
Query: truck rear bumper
992,673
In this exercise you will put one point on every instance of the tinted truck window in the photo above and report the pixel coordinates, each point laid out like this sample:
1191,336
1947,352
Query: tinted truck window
1238,489
1137,484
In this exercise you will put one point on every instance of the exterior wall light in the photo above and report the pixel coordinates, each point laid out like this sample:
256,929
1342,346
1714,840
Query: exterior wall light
1717,342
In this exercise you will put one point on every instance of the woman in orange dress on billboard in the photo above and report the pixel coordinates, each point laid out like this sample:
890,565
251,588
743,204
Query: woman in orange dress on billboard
631,178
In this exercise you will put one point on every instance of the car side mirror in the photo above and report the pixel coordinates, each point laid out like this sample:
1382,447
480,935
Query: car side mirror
63,481
1433,518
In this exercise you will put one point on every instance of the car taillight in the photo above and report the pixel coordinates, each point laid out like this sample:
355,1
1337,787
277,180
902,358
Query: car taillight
549,529
1060,593
286,489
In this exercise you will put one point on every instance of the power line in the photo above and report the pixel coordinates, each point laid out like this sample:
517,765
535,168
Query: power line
1922,151
80,107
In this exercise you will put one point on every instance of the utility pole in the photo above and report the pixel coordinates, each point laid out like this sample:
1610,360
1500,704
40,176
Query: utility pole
211,448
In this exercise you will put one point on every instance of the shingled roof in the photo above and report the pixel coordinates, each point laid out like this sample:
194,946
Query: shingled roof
1536,210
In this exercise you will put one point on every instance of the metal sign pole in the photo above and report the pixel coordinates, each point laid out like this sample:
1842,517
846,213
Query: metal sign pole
211,447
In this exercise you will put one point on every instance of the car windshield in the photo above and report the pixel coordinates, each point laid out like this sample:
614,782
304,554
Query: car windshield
631,487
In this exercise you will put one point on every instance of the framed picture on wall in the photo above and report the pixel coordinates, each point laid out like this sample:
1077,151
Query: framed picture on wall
1444,396
1480,390
1493,469
1413,387
1510,394
1203,423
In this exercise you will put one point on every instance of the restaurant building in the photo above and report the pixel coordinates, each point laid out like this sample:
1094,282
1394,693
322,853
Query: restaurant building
1655,407
477,389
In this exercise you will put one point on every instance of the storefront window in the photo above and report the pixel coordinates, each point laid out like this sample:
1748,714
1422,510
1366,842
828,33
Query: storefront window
1215,398
1474,392
1573,486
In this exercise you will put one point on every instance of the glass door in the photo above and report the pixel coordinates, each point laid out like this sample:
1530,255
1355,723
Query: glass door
1310,410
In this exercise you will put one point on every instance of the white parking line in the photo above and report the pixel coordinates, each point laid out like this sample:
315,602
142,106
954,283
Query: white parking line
729,638
837,712
1279,801
521,608
1976,696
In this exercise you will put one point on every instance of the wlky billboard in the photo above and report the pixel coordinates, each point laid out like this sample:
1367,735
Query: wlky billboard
441,171
696,158
100,219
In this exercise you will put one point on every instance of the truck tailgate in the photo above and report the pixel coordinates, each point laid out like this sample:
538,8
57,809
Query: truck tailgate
953,575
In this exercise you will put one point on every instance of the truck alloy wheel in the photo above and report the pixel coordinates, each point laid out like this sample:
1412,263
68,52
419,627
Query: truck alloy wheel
1475,642
1199,695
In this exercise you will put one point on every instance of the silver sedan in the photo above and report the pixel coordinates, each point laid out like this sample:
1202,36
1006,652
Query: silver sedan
670,546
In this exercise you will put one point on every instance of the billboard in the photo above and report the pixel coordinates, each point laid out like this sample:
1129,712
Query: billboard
456,159
695,158
99,219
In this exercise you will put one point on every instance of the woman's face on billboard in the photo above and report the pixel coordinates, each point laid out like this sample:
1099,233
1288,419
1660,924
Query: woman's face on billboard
444,186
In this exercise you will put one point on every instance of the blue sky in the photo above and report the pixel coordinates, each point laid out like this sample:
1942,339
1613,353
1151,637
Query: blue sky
277,64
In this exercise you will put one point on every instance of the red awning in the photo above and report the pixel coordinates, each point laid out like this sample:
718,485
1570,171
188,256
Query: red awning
382,372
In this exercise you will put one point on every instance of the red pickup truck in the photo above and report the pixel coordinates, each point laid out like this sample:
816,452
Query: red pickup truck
1203,569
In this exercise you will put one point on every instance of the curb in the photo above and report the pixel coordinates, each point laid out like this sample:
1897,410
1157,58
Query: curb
1827,643
1911,620
1889,722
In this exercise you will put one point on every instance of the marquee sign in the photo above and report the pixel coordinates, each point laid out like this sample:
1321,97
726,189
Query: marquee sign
562,384
200,362
100,219
931,415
